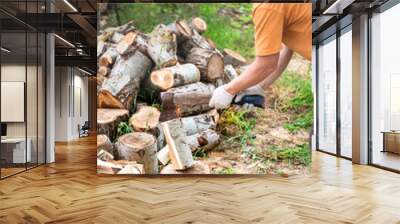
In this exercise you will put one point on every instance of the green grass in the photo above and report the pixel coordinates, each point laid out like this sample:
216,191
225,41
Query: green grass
296,155
228,25
123,128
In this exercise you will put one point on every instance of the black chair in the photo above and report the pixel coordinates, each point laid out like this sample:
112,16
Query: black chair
84,130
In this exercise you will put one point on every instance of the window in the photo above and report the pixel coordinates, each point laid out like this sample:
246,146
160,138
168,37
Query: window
327,96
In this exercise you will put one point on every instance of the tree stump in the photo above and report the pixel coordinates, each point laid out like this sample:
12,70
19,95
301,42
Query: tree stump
187,100
199,24
233,58
175,76
199,167
146,119
121,88
210,63
108,121
179,150
140,147
162,47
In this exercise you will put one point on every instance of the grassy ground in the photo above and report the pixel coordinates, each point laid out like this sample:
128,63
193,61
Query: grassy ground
274,140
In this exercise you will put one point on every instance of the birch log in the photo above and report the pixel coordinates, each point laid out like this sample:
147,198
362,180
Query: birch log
175,76
108,121
121,88
119,167
125,45
140,147
205,140
104,143
162,47
230,73
109,56
210,63
187,100
179,150
181,29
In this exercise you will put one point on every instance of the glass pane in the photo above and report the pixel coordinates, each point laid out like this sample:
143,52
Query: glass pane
327,97
13,76
346,94
41,99
386,89
31,100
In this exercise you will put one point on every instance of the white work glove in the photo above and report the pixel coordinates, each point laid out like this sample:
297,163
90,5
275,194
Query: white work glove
254,90
221,99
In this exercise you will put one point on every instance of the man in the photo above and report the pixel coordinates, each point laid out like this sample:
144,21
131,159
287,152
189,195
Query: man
280,30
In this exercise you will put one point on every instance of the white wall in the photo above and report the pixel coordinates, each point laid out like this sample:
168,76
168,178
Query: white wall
71,94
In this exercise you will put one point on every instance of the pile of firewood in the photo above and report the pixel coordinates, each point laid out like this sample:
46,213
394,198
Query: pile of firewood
184,68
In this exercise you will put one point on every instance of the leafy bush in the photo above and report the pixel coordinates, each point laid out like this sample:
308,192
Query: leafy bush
123,128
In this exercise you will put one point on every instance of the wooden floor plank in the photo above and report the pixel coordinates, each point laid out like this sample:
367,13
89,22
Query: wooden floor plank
70,191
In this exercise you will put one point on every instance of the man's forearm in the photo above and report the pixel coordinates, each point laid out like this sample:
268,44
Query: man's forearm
261,68
284,58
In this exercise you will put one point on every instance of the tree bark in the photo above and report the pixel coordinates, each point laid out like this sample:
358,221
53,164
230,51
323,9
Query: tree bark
140,147
209,62
121,88
233,58
199,167
181,29
125,45
195,41
101,47
104,143
108,121
206,140
162,47
104,155
179,150
175,76
230,73
187,100
146,119
109,57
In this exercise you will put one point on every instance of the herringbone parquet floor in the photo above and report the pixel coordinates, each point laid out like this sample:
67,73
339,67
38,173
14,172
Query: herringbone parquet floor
69,191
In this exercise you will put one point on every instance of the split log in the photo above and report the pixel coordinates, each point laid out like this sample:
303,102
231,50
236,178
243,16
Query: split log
196,41
162,47
109,57
230,73
119,167
199,24
104,155
146,119
103,71
175,76
125,45
179,150
140,147
104,143
187,100
210,63
233,58
121,88
108,121
205,140
116,37
198,123
181,29
199,167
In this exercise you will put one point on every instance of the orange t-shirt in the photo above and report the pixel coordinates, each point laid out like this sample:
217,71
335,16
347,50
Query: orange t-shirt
277,23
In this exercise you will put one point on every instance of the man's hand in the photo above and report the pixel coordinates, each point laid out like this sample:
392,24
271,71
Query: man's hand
221,99
254,90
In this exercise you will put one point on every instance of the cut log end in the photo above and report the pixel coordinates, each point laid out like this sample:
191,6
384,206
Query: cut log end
103,70
164,79
137,140
199,24
106,100
126,43
215,67
146,118
184,28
